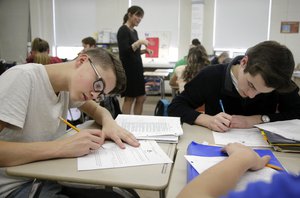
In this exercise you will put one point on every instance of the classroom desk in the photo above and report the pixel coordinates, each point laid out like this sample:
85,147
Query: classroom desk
162,74
200,134
150,177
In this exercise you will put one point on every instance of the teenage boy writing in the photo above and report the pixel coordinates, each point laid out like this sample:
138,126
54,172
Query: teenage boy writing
34,96
254,88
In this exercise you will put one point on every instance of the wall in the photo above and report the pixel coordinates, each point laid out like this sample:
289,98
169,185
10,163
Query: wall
286,10
281,10
14,18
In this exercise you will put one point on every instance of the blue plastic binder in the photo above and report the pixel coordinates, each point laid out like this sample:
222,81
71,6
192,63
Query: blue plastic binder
215,151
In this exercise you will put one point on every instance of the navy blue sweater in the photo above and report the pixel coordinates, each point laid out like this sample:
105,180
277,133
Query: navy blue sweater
214,83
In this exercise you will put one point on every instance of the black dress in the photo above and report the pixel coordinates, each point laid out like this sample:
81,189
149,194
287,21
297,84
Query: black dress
132,62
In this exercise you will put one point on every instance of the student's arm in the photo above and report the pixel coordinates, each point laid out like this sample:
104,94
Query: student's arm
245,122
221,178
173,80
109,126
16,153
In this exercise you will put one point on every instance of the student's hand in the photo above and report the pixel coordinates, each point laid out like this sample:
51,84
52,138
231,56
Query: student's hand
81,143
244,122
246,155
219,122
119,135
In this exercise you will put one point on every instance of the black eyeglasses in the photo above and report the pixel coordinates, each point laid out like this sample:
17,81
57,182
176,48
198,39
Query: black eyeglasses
99,84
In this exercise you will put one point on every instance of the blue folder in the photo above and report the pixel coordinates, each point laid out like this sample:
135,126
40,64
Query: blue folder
215,151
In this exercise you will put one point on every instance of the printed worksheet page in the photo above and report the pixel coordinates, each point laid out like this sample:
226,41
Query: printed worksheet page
110,155
142,126
249,137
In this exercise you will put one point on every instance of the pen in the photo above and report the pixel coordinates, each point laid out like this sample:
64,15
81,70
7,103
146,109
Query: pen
221,104
69,124
274,167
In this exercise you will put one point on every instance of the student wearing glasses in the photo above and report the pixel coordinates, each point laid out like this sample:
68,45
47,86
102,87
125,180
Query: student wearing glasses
252,89
34,96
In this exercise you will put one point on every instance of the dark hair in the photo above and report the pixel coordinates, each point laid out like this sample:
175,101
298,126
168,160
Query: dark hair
39,45
196,42
107,60
89,41
197,59
133,10
274,62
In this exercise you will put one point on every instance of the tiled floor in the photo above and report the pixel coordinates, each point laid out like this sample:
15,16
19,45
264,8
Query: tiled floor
149,107
150,104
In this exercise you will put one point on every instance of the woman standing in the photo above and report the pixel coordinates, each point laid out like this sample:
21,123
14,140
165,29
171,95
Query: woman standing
130,55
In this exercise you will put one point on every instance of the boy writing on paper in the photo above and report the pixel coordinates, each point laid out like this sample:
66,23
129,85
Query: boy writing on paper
218,180
34,96
254,88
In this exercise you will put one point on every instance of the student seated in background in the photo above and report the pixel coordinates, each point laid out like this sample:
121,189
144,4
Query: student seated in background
197,59
40,53
183,61
88,42
219,180
253,89
222,58
34,96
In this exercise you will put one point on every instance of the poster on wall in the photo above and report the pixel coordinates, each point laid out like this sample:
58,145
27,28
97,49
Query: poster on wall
154,46
289,27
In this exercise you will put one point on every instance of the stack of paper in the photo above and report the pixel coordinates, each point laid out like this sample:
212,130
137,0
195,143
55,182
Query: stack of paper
282,135
160,128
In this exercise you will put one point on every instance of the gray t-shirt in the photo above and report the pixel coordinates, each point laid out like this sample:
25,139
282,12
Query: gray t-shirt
30,105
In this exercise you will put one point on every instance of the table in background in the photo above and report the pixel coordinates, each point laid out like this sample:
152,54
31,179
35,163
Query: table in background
149,177
162,74
200,134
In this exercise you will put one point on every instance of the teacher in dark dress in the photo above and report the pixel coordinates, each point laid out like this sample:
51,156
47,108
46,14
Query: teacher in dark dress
130,54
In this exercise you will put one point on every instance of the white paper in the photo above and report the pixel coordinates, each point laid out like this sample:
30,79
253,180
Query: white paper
249,137
112,156
142,126
200,164
288,129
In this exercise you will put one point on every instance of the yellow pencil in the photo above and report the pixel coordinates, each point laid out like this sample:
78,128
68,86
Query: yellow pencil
69,124
274,167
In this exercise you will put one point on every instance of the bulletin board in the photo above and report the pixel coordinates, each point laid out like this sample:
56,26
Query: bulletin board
164,39
289,27
154,46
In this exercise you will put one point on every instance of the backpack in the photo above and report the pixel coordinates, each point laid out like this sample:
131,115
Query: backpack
161,108
111,103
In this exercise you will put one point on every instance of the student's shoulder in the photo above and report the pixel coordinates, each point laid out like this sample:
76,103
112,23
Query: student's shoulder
219,69
25,70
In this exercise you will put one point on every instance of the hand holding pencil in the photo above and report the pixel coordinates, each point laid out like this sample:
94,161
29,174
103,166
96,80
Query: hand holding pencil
81,143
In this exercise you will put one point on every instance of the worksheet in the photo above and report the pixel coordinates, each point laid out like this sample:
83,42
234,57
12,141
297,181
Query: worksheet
110,155
249,137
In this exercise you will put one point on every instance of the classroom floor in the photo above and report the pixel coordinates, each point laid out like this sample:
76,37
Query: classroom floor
149,107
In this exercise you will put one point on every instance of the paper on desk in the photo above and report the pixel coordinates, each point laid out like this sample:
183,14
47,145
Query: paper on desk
200,164
142,126
112,156
249,137
288,129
